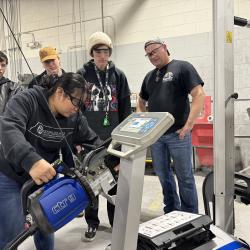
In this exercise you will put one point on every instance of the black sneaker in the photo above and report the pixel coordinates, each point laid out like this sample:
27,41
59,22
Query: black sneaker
89,234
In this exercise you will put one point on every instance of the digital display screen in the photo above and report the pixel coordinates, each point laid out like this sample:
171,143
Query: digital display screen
139,125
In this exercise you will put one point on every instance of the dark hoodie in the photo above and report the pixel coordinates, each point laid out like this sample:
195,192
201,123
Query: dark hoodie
38,80
119,105
7,90
28,133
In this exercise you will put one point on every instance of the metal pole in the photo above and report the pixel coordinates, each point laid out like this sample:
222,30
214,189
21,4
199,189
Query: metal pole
224,113
128,201
102,9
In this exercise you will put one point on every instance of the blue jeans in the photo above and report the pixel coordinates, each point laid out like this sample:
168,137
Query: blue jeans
12,218
169,147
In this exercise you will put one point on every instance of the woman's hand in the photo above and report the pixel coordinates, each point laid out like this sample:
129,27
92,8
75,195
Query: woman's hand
41,172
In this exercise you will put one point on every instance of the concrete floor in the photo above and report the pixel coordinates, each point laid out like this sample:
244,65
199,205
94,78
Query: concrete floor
69,237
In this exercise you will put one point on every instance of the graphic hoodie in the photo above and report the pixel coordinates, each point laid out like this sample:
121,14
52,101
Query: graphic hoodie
117,105
29,132
116,102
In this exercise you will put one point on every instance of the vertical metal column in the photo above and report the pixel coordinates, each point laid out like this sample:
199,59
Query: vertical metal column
223,113
128,202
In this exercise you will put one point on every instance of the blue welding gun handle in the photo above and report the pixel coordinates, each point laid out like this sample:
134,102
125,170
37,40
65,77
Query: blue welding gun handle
20,238
30,186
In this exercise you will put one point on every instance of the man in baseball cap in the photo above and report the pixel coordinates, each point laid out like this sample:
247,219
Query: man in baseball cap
51,62
166,88
48,53
155,41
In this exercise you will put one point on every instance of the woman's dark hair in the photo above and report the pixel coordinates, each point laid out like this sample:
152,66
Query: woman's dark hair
69,82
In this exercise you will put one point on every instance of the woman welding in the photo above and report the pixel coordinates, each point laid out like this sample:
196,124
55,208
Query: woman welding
36,124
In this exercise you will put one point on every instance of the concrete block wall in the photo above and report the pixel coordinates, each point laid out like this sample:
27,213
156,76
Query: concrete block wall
126,21
196,49
185,24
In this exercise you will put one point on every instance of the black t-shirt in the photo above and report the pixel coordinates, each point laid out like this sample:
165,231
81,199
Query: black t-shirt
167,89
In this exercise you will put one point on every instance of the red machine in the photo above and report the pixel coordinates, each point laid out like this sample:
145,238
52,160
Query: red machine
202,135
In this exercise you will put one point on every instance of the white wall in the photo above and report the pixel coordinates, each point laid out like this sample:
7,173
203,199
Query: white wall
185,24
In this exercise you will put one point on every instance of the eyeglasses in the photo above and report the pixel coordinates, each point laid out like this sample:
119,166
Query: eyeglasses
76,102
153,52
99,51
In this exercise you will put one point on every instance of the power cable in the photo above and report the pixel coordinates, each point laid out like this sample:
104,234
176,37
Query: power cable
19,47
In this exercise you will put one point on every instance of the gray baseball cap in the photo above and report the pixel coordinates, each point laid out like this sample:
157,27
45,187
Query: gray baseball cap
153,41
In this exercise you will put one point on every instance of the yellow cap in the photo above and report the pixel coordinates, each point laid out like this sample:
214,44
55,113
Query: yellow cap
48,53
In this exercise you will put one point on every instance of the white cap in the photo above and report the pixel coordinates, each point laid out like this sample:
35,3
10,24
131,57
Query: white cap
99,38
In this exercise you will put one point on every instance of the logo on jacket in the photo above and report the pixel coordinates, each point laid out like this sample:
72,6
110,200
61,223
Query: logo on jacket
48,133
168,77
40,129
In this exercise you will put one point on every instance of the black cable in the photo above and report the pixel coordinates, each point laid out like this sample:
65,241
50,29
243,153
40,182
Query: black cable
21,238
19,47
